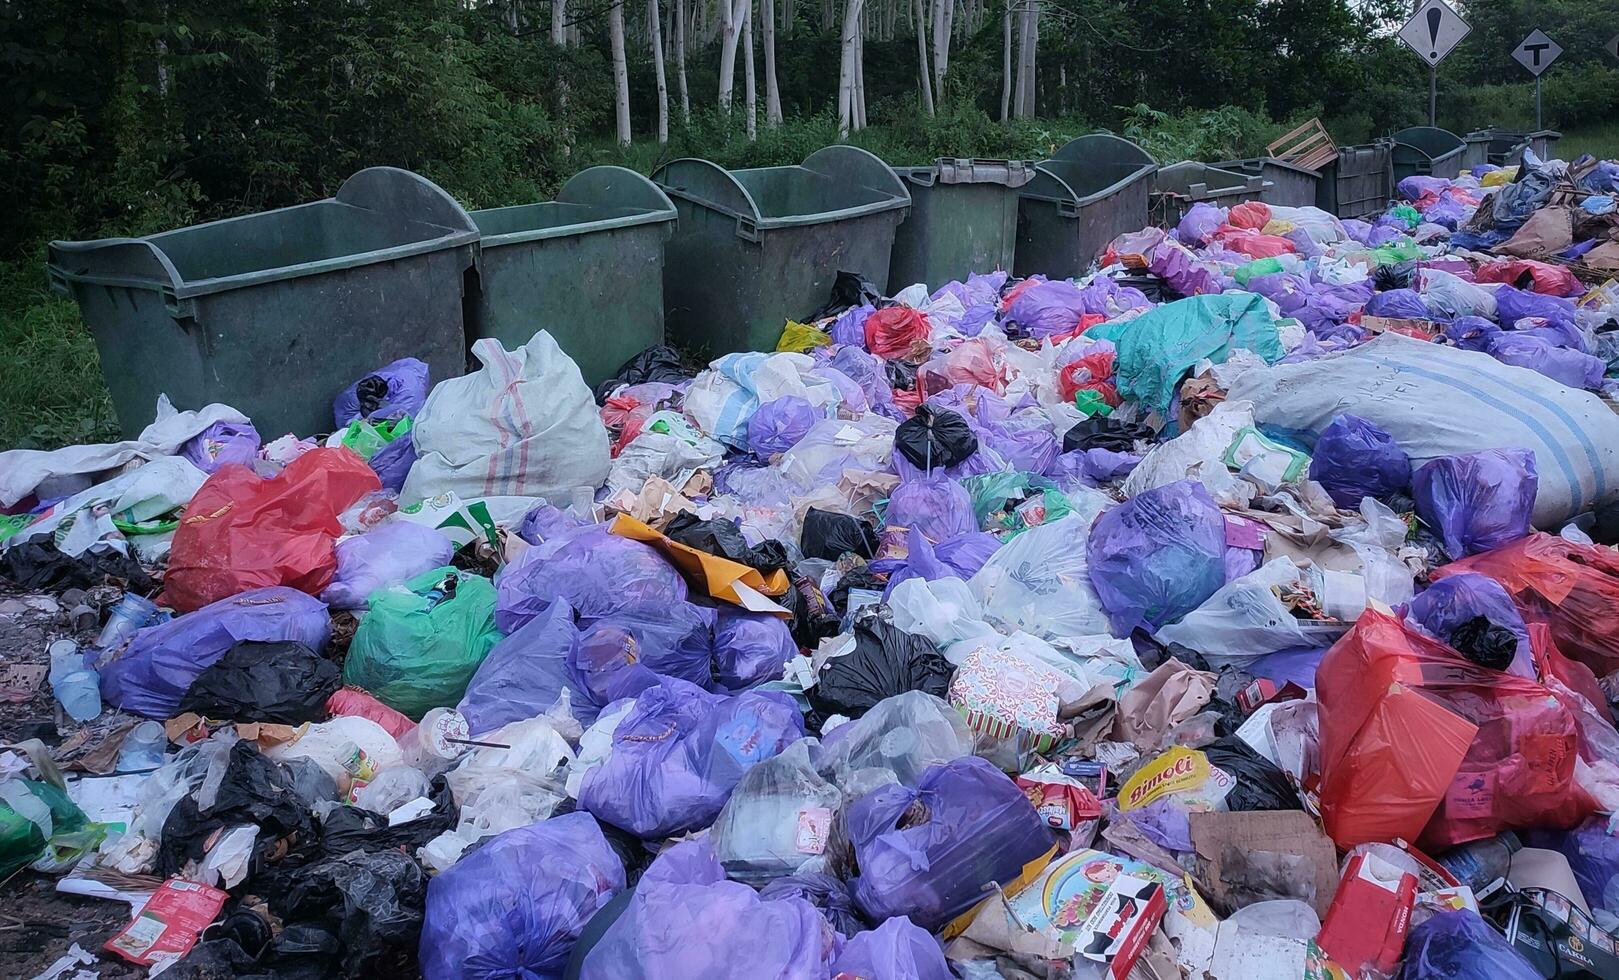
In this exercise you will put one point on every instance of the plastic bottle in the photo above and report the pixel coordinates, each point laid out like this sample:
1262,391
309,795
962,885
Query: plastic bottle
1482,863
75,685
128,616
143,748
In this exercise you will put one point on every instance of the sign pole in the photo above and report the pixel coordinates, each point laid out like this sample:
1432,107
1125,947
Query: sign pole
1537,102
1433,95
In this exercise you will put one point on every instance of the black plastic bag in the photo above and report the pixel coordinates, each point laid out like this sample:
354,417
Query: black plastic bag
254,790
1105,432
351,828
901,376
830,535
724,538
859,578
371,902
825,892
39,566
1605,530
848,289
281,682
1485,643
935,437
660,363
885,661
1260,785
1395,275
1152,286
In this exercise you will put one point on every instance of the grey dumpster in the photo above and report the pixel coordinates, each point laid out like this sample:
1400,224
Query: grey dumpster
755,248
1359,183
275,313
587,266
963,219
1504,147
1088,193
1177,187
1286,184
1426,151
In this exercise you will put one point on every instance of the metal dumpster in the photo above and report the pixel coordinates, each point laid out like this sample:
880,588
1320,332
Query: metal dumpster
587,266
963,219
1177,187
1286,184
1428,151
756,247
1504,147
1089,192
1359,183
274,313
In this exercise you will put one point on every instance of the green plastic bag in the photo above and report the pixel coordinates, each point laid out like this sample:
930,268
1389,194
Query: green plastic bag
1158,348
421,642
1258,267
367,438
1395,252
1091,402
1006,501
42,827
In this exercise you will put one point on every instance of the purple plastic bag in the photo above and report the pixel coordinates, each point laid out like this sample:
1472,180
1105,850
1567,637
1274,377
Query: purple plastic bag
680,751
393,461
939,507
750,648
850,326
779,424
1199,224
1165,822
1399,304
1091,467
960,557
1472,333
524,675
1047,308
1297,665
1354,458
677,641
1455,599
222,443
684,921
515,906
895,950
1593,856
977,828
1565,366
390,552
826,892
1513,304
390,392
1105,296
1461,946
1415,186
1186,273
868,372
593,570
545,522
157,668
1157,556
1477,501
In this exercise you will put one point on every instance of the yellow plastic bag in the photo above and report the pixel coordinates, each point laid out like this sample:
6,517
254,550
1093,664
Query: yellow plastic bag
1276,226
801,338
1499,178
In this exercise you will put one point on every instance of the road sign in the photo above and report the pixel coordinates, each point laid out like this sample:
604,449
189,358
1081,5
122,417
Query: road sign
1537,52
1434,31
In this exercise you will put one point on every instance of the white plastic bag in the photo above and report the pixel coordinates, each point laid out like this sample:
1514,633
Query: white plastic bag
896,741
777,819
1198,454
348,747
502,789
1451,296
1245,620
1039,582
943,611
668,446
523,424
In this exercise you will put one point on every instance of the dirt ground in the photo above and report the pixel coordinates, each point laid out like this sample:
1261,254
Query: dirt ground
37,925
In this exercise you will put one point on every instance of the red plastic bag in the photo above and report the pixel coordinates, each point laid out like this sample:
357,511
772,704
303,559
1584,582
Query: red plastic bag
242,532
1089,372
1419,742
360,704
892,332
1573,588
1552,280
1252,243
1249,214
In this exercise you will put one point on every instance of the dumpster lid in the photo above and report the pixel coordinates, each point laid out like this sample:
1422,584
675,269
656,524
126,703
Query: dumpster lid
707,184
968,170
1431,140
610,198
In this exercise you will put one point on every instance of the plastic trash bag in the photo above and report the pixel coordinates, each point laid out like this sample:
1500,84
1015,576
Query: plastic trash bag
523,424
826,892
1157,556
594,571
1044,309
684,921
221,444
935,437
1459,601
895,950
1593,856
250,789
1459,945
1245,619
929,853
394,391
885,661
778,425
503,788
525,673
1199,224
281,682
421,641
777,818
830,536
154,672
937,506
723,537
942,611
679,753
243,532
1158,348
892,332
658,364
1477,501
390,552
1040,582
1563,365
750,648
392,462
515,906
1354,458
1420,743
41,826
896,741
959,557
354,909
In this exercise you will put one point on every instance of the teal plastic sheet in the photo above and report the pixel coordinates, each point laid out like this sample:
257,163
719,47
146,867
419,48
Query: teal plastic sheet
1156,349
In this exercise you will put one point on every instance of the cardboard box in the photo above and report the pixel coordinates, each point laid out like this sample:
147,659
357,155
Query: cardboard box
1223,841
1370,916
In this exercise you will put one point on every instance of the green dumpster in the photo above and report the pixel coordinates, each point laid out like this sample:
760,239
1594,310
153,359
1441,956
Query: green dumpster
587,266
1428,151
1088,193
1286,184
963,220
1504,147
1358,183
757,247
275,313
1177,187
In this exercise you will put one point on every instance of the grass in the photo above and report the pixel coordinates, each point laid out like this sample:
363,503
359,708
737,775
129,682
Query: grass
1601,140
51,390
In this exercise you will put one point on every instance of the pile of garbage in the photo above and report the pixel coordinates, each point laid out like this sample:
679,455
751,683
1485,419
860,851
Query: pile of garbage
1244,609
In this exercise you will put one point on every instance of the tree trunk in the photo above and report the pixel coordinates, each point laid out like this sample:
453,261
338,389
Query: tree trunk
750,90
559,22
680,60
847,45
1006,61
828,14
860,74
943,18
621,73
654,23
731,30
767,20
919,13
1029,46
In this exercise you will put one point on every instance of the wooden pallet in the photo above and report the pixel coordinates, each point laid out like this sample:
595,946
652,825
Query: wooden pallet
1309,146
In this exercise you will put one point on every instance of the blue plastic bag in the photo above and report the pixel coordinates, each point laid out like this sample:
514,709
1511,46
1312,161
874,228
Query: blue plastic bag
937,506
1157,556
515,906
1477,501
157,668
778,425
390,552
895,950
524,675
1355,458
680,751
750,648
1456,599
594,571
390,392
1461,946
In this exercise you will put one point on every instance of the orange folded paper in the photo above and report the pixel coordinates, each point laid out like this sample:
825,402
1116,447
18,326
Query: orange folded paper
719,576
